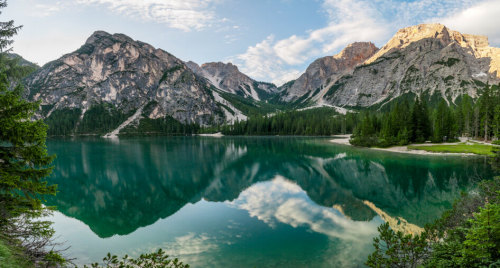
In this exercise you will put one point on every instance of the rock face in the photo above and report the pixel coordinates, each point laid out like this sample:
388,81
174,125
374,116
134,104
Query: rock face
126,75
428,60
227,77
327,69
116,83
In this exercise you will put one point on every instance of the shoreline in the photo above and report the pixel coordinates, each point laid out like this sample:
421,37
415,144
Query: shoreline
344,140
217,135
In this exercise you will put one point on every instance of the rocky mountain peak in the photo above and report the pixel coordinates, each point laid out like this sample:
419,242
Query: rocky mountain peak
328,69
129,77
227,77
426,59
96,36
357,51
220,66
477,44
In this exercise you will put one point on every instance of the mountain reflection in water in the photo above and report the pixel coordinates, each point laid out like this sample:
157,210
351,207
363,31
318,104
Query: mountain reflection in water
117,187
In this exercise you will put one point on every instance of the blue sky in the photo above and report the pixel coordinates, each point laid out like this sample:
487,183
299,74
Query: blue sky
270,40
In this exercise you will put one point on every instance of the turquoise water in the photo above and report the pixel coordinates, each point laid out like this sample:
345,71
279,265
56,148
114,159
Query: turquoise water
244,202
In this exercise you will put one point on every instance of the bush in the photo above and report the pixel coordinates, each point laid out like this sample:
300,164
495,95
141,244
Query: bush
152,260
468,235
394,249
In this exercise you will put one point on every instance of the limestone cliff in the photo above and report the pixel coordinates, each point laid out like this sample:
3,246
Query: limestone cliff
125,76
327,69
428,60
227,77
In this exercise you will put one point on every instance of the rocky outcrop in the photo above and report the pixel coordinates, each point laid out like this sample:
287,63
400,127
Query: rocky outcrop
428,60
328,69
477,45
125,75
227,77
132,81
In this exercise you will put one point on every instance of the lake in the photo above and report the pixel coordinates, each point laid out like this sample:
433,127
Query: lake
245,201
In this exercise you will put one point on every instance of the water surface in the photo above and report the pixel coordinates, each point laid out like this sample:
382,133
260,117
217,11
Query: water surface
244,202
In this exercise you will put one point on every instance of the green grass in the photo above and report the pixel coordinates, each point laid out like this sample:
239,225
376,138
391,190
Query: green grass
9,258
480,149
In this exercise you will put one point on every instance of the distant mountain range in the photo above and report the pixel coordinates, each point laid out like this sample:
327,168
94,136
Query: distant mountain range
115,85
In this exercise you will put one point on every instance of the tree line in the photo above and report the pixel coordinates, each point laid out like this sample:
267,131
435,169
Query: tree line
406,123
312,122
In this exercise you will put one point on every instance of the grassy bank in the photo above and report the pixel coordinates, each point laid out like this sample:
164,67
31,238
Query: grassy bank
480,149
10,257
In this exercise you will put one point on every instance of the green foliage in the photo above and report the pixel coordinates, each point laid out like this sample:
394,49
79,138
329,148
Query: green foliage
169,72
249,106
482,241
161,126
12,68
151,260
24,162
8,30
480,149
495,161
334,88
468,235
63,122
405,123
263,95
395,249
319,121
399,126
449,62
443,123
102,118
487,107
420,124
11,257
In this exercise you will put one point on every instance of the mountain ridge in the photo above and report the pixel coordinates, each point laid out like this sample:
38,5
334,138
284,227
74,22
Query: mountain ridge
228,78
424,59
136,84
126,75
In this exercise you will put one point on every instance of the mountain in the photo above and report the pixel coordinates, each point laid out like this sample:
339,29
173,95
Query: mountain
22,61
116,85
428,60
119,81
325,70
227,77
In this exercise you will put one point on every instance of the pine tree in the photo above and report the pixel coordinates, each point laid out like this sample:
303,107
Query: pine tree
24,163
467,115
486,110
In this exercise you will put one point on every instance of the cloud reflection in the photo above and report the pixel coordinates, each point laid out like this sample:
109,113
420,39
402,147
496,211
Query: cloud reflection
282,201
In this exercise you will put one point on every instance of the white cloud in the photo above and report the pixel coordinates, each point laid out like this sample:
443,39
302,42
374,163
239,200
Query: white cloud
349,21
260,62
482,18
185,15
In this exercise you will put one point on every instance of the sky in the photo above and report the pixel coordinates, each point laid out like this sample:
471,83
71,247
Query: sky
269,40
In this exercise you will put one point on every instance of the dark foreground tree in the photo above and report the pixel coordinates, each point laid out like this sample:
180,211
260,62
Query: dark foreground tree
24,163
7,31
395,249
468,235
